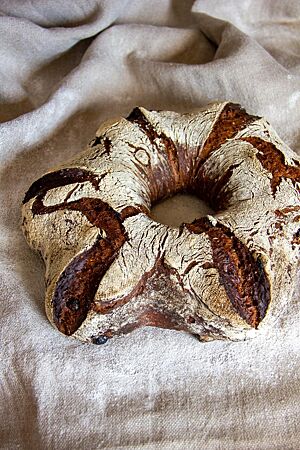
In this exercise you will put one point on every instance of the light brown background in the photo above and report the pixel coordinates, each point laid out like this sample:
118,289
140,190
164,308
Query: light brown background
65,67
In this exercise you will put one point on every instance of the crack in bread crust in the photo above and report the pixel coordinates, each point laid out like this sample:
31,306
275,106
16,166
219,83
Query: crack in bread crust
243,277
273,161
60,178
232,119
77,285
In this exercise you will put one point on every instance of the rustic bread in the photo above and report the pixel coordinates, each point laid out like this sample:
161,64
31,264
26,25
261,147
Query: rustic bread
110,268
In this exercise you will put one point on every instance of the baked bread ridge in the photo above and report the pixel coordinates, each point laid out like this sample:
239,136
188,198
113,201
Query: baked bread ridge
110,268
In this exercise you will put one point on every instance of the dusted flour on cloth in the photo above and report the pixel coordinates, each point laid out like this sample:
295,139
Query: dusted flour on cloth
67,66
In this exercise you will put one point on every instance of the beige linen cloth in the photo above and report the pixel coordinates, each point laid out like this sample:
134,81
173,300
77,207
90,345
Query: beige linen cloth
66,65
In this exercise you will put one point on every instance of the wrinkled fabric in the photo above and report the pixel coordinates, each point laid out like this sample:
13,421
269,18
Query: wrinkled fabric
65,67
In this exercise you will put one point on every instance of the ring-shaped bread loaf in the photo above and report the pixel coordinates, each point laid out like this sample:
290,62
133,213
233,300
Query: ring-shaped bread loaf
110,268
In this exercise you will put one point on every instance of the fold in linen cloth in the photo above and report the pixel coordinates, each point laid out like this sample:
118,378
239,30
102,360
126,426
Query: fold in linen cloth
65,67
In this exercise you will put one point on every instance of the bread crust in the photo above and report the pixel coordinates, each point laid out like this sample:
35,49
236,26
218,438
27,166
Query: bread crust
110,268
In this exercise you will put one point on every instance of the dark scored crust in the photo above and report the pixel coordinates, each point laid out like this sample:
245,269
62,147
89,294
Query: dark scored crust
78,283
232,119
243,277
159,280
273,161
60,178
176,179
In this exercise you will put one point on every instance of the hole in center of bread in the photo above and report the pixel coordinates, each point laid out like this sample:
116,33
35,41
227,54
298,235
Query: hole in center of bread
178,209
